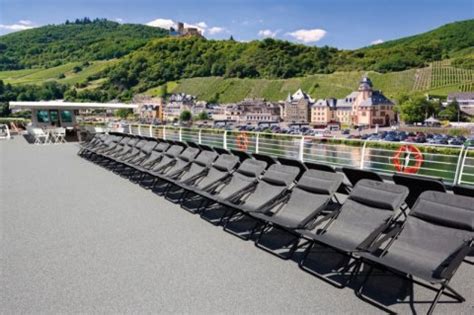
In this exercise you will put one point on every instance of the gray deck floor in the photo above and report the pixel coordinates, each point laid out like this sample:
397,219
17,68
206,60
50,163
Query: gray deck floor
78,238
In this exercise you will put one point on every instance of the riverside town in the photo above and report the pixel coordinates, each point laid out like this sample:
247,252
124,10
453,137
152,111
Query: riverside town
236,157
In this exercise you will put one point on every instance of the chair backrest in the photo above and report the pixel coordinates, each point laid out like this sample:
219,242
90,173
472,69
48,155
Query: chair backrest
293,162
162,147
206,158
174,151
241,154
221,150
377,194
281,175
252,168
206,147
148,146
464,190
445,209
354,175
189,154
417,185
312,192
320,167
262,157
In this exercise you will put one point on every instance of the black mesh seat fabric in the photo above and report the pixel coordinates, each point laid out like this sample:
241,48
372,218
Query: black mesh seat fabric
293,162
155,156
218,172
370,205
354,175
438,226
320,167
198,167
266,158
417,185
241,154
145,151
308,198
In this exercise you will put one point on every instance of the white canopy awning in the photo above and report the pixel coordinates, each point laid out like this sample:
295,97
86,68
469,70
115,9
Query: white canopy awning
69,105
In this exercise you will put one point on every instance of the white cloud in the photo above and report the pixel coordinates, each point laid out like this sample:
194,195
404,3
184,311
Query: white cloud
377,41
268,33
216,30
163,23
19,26
308,36
202,24
119,20
25,22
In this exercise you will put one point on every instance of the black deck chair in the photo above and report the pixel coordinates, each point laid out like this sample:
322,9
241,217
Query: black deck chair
417,185
181,143
180,164
293,162
312,194
221,150
168,159
370,209
95,141
136,148
463,190
128,167
102,154
242,155
354,175
218,173
205,147
266,158
242,181
128,150
109,144
198,168
430,245
155,157
269,191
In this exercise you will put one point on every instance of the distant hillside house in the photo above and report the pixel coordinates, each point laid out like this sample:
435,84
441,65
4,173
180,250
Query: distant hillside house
249,111
185,31
176,104
150,109
364,107
465,101
296,107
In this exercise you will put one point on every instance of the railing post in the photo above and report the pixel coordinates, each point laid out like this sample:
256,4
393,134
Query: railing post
129,129
257,142
180,134
150,131
301,152
199,136
164,132
458,166
139,129
461,168
362,157
225,140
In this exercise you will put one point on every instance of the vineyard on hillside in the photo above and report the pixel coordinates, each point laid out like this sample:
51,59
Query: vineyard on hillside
441,75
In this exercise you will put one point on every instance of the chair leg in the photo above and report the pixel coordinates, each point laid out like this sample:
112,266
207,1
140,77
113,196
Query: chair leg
294,243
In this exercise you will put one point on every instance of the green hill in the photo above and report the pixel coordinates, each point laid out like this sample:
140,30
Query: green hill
101,60
82,40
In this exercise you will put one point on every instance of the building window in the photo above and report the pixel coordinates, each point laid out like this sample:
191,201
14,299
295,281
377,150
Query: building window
66,116
42,116
364,114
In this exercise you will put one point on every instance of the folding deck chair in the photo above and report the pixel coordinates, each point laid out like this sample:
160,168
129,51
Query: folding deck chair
293,162
173,169
370,209
266,158
148,162
269,190
354,175
430,245
168,159
242,181
216,174
312,194
124,168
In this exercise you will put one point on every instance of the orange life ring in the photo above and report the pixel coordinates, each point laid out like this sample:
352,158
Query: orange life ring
413,151
242,141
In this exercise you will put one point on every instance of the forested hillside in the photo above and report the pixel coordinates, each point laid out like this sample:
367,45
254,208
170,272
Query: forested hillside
81,40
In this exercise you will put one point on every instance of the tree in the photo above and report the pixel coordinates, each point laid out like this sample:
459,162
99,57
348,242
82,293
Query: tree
414,109
185,115
123,112
163,91
202,116
452,112
231,38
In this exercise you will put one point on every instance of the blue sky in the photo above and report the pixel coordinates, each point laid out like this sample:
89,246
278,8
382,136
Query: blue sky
340,23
